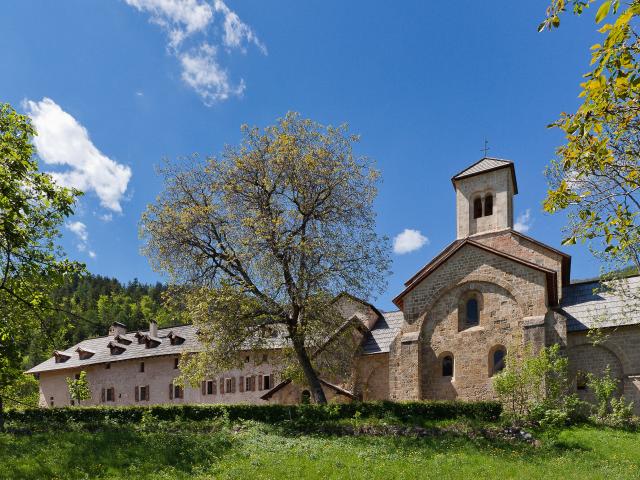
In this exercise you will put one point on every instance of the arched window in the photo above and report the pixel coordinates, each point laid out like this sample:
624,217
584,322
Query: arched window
488,205
305,397
477,208
498,360
447,366
473,315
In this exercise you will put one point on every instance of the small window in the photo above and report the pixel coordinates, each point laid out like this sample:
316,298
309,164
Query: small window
246,359
178,391
111,395
473,315
305,397
488,205
176,363
266,382
77,376
210,387
51,402
447,366
141,367
107,365
581,380
477,208
498,360
265,357
229,386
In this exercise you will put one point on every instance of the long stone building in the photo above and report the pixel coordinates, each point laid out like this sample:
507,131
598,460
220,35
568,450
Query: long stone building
492,289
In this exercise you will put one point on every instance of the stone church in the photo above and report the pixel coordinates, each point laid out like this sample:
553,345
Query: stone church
492,289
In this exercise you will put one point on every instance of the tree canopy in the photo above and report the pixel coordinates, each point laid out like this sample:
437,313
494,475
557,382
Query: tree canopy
263,237
32,208
596,176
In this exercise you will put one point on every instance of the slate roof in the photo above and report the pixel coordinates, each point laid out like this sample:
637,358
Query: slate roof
134,350
383,332
487,164
585,306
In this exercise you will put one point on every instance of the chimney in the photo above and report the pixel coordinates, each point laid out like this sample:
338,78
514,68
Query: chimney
153,329
117,328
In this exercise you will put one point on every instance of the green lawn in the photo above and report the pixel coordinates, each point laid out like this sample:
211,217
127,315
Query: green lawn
252,450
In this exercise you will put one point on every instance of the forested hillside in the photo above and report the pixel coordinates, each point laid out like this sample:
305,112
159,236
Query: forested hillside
89,304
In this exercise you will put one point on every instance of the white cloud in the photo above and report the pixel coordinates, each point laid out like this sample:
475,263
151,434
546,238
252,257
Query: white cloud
523,222
201,71
82,236
107,217
188,25
235,30
61,140
409,241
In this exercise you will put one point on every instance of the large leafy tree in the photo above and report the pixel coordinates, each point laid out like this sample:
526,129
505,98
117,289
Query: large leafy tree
262,238
32,208
596,176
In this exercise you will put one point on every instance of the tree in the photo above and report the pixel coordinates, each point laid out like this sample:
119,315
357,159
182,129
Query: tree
596,176
32,207
261,239
79,387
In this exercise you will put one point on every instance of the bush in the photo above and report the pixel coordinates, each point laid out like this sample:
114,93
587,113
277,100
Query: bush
403,411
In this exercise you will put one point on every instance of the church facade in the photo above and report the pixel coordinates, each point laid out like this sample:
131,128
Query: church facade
491,290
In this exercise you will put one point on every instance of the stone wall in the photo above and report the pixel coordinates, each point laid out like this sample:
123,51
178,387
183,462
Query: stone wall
620,350
513,292
159,373
373,377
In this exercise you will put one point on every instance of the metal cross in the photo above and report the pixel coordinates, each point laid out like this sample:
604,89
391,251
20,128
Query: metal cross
486,147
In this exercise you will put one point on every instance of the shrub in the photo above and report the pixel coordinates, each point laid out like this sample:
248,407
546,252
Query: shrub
403,411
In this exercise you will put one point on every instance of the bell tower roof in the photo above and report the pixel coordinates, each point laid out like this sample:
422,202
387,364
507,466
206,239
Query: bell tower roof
484,165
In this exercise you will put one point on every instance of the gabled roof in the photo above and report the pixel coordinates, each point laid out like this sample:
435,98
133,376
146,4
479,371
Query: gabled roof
285,382
455,246
379,339
484,165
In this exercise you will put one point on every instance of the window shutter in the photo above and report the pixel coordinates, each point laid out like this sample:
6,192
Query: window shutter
241,384
171,391
233,384
215,391
203,387
137,394
113,394
259,382
148,393
221,386
103,395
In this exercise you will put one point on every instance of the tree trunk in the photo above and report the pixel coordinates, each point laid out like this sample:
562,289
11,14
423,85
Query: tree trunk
309,372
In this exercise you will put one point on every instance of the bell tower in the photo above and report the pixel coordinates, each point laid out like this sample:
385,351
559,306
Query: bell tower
484,197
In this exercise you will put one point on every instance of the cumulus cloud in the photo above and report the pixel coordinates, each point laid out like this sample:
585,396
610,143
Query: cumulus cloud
82,237
523,222
61,140
194,28
409,241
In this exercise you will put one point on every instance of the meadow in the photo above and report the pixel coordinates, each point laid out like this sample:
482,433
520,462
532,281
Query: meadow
456,449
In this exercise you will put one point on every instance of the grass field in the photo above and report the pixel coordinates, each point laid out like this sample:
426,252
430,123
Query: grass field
251,450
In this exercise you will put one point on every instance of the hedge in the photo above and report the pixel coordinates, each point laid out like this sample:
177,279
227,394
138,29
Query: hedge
404,411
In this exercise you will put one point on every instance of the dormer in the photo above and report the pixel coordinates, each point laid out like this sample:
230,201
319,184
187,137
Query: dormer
122,340
151,342
115,348
84,353
484,197
175,339
140,337
60,357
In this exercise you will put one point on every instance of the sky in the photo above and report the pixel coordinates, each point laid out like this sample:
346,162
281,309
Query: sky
116,86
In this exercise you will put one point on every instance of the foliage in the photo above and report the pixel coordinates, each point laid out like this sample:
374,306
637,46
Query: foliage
263,238
536,388
610,409
79,387
596,176
23,393
32,208
89,304
274,414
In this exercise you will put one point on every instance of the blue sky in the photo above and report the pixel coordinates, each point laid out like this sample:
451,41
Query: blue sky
115,86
